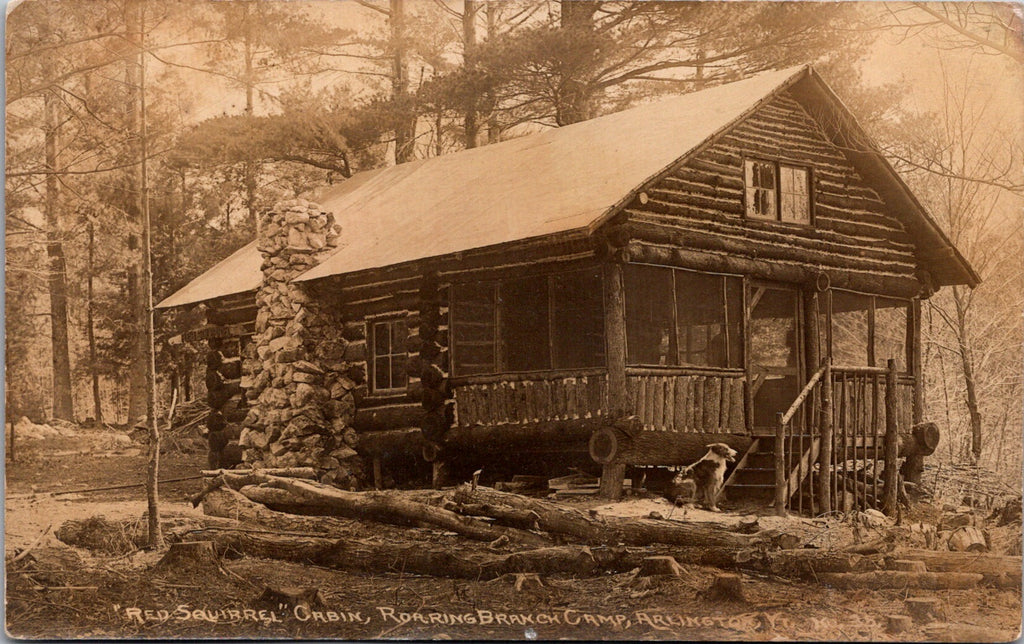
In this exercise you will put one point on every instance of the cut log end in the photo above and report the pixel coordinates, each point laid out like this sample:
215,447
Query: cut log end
924,609
895,624
728,587
190,554
660,565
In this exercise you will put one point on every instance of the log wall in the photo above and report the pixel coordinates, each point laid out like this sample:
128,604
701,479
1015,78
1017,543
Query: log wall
700,206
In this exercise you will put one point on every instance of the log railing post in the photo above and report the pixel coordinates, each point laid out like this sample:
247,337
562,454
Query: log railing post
891,439
619,405
825,456
781,475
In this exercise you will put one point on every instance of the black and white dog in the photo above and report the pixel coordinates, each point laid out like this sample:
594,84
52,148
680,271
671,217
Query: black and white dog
705,477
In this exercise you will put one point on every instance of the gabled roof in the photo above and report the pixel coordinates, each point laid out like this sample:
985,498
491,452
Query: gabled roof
561,180
565,180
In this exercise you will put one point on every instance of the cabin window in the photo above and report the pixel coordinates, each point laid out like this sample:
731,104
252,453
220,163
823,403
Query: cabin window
777,192
528,324
676,318
473,332
389,355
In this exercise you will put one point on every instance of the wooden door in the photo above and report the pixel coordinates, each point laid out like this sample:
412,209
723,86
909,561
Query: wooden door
775,362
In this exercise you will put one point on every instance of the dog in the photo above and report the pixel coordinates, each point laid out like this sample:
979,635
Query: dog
705,477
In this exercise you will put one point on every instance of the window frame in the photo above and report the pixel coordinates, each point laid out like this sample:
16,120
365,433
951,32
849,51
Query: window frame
872,339
741,342
500,361
778,166
389,319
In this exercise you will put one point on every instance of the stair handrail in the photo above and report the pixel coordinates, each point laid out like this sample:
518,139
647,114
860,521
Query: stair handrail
781,476
804,393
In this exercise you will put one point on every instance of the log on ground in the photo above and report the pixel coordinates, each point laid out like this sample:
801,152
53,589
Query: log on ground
608,530
390,507
899,579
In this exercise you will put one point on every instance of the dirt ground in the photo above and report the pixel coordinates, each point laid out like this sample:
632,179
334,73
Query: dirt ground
59,591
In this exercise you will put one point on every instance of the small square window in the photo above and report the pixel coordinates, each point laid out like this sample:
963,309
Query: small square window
776,192
389,355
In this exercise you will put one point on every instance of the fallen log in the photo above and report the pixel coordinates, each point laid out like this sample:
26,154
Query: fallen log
805,563
523,519
943,561
386,507
291,472
609,530
900,579
231,504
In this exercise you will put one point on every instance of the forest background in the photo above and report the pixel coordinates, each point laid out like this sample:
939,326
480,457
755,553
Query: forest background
200,114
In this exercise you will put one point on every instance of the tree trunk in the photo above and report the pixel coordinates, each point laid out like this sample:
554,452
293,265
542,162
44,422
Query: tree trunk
609,530
249,169
967,363
493,127
575,95
137,360
97,402
156,539
390,507
62,405
471,123
405,118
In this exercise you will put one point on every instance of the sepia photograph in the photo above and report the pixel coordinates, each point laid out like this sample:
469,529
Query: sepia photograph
513,320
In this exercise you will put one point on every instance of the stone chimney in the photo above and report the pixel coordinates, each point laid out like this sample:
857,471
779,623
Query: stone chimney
300,387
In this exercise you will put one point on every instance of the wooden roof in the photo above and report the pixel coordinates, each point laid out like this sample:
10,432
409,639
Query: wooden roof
564,180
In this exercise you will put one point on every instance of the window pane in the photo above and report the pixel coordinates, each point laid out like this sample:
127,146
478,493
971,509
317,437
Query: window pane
760,189
794,200
473,332
399,378
524,324
649,329
850,329
701,320
578,320
891,332
381,373
381,340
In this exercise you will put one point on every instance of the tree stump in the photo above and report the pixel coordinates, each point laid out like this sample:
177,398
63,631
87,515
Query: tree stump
660,565
909,565
897,623
924,609
968,539
190,554
748,525
726,587
288,597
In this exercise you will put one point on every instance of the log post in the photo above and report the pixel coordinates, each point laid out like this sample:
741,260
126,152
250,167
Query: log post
612,475
892,439
781,491
825,453
914,331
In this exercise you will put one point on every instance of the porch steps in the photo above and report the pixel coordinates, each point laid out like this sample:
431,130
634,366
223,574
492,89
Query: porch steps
753,477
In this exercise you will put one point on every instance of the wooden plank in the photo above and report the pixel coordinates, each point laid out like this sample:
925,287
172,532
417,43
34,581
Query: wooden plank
658,402
670,403
713,392
691,403
679,397
698,403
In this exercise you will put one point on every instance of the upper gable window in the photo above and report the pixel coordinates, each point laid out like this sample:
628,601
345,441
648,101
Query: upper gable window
777,192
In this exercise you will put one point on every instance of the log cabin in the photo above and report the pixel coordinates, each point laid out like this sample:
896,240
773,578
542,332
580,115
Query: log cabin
738,264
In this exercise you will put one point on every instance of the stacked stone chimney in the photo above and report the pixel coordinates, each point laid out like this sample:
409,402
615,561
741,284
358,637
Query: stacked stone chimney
299,385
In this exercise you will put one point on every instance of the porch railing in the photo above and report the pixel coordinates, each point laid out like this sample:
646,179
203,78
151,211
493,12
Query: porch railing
687,400
841,427
530,397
